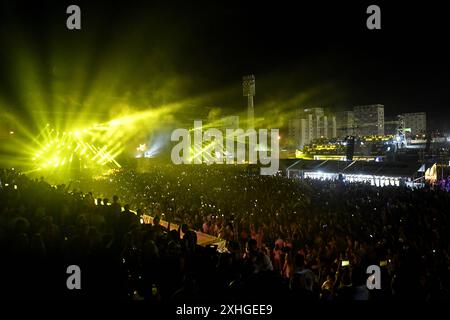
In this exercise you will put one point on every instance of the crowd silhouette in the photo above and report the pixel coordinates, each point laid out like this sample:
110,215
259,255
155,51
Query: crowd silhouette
287,239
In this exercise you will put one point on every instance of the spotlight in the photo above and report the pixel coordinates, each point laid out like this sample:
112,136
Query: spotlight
142,147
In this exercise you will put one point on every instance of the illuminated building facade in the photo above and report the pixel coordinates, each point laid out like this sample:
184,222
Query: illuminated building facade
369,120
311,124
416,121
345,122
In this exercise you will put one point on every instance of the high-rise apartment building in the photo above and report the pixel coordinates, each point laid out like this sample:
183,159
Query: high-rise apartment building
369,120
416,121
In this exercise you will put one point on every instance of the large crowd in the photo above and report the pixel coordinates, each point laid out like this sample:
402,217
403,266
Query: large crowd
285,238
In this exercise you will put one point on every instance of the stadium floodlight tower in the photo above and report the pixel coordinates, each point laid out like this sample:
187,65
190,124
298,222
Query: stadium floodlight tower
248,88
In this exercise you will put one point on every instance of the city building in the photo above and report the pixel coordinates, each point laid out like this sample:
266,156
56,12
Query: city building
294,130
369,120
416,121
345,123
309,125
391,125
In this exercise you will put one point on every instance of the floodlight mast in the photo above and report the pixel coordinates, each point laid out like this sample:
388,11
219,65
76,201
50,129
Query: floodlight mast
248,88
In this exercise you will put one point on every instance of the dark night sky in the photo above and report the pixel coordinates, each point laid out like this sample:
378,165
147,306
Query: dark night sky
193,48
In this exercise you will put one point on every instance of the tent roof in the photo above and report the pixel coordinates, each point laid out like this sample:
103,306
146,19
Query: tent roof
389,169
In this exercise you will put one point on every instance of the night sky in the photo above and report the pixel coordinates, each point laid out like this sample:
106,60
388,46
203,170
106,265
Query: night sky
146,54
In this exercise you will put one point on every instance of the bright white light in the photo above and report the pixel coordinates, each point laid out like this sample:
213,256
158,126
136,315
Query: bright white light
141,147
